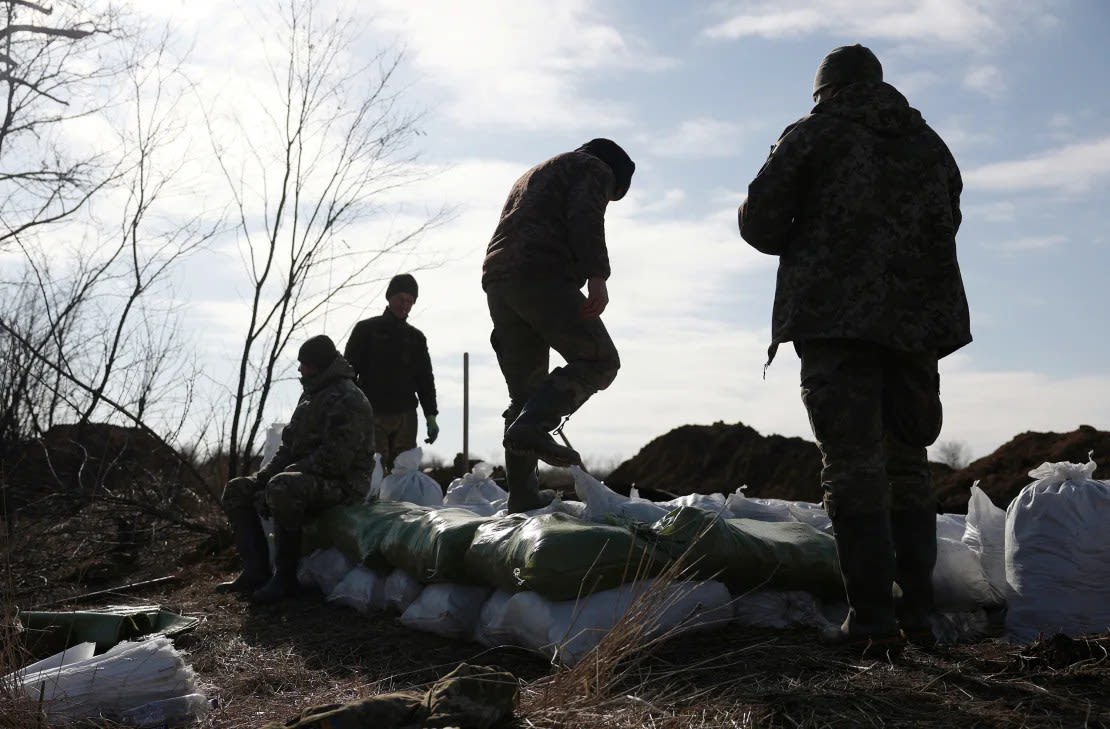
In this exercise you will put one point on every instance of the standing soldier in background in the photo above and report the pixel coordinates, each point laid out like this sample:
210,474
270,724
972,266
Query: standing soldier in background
324,460
391,359
860,200
549,243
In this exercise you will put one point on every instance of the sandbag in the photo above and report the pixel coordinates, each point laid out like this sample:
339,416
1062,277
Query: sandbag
431,545
1058,554
985,534
324,568
556,555
362,589
477,492
358,530
401,590
447,610
406,482
747,554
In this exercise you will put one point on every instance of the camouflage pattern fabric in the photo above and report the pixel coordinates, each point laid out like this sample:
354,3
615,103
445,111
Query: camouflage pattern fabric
530,318
326,447
390,357
291,498
553,223
394,433
475,697
861,202
873,410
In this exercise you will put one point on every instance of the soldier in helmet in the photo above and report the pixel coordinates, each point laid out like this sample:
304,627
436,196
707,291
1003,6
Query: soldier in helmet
860,200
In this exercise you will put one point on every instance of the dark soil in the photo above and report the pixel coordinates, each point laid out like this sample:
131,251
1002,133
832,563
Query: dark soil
270,663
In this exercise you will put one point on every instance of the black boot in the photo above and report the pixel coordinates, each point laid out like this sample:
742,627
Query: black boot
524,484
915,547
866,553
530,433
254,552
286,557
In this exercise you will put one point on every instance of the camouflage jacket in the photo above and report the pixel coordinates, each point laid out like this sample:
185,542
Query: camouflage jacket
860,201
553,223
331,432
391,359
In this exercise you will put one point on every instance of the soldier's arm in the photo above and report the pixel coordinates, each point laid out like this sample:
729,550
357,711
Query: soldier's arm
338,443
355,351
425,380
774,199
282,458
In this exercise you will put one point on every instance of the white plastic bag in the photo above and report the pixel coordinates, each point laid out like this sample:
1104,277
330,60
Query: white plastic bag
959,581
376,476
493,630
778,609
362,589
742,507
601,501
477,492
448,610
401,589
407,483
324,568
985,534
1058,554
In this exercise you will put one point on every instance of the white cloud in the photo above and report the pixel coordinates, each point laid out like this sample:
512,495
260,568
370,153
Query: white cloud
987,80
967,24
698,138
1032,243
518,63
1072,168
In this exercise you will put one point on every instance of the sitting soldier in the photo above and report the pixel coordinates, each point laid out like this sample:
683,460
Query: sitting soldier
325,458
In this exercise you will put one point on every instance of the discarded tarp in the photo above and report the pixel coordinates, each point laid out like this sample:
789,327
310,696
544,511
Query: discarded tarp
557,555
105,626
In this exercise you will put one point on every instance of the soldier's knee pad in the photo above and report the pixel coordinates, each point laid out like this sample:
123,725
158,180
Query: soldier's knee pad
239,493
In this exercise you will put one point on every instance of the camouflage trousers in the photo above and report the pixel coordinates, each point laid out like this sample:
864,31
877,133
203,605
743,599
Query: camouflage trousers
290,498
873,411
394,433
530,318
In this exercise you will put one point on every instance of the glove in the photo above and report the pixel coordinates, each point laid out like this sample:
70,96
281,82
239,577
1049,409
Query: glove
433,430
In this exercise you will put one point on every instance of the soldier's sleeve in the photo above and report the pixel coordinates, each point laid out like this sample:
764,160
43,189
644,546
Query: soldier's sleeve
586,200
425,380
355,351
955,189
775,195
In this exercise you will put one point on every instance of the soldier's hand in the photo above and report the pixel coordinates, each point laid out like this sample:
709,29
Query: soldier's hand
433,429
597,298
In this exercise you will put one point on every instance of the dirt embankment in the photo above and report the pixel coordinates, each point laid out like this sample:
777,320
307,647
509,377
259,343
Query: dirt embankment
721,457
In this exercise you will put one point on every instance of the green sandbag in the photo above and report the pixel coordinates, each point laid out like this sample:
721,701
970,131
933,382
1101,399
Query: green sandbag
557,556
432,546
358,530
749,554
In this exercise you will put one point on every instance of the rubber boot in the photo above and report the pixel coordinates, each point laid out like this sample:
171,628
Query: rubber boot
530,433
286,557
524,484
254,552
866,553
915,547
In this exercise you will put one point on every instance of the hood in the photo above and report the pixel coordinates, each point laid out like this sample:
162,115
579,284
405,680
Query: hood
338,369
876,105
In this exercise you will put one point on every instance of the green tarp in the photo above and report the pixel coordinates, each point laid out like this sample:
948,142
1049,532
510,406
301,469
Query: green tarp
106,626
431,546
358,531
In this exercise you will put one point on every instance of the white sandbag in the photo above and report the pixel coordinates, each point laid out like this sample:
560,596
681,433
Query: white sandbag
324,568
959,581
376,477
362,589
951,526
493,631
706,502
567,630
985,534
448,610
1058,554
743,507
779,609
401,589
812,514
476,488
601,501
407,483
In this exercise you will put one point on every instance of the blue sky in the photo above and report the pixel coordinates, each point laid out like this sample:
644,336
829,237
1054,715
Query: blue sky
697,92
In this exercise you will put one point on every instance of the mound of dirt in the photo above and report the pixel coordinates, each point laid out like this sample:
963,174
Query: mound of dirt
719,458
1003,474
